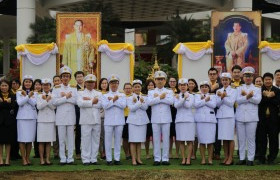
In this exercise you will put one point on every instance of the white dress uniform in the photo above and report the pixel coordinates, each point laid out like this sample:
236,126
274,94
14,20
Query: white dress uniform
137,119
46,130
185,125
113,121
65,118
205,118
26,116
90,122
247,117
161,119
225,114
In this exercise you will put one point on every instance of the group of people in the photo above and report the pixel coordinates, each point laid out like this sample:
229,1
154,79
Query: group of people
186,113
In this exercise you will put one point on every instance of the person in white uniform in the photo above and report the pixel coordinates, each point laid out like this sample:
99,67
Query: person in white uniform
137,121
26,118
206,121
226,98
248,98
160,100
184,122
89,101
46,130
65,99
113,104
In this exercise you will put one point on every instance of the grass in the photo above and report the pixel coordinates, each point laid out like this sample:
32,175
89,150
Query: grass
126,165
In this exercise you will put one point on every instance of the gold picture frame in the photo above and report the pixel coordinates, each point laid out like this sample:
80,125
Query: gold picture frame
78,34
246,42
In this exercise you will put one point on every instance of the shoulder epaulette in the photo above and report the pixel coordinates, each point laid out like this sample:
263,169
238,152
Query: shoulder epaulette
128,95
73,86
98,90
81,89
143,94
212,93
257,86
57,86
121,91
197,93
39,92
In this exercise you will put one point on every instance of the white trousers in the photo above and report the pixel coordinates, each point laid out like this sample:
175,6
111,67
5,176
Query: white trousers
110,133
246,133
66,133
90,142
158,131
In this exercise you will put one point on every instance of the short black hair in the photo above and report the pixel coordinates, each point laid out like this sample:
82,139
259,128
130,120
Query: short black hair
79,72
213,69
16,81
277,71
56,77
268,74
125,84
79,20
37,81
236,67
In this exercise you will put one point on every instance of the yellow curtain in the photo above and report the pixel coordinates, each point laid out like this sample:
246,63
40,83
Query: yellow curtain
274,46
194,46
36,49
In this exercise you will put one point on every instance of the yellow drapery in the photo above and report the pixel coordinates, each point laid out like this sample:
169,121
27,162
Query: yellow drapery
194,47
121,46
274,46
36,49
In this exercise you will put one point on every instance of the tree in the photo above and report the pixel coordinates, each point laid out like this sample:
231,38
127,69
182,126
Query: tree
44,29
182,30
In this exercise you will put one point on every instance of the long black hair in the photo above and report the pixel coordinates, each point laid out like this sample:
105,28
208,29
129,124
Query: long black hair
196,86
32,86
100,82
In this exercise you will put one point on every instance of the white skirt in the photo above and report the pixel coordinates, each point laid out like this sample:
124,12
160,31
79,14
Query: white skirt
26,129
137,133
46,132
226,128
185,131
206,132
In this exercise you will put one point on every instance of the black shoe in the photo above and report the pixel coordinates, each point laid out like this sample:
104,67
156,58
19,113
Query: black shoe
63,163
71,163
165,163
156,163
271,162
241,162
250,163
104,158
109,163
117,163
94,163
86,164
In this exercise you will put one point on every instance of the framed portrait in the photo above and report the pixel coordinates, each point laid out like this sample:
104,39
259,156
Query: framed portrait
77,35
236,37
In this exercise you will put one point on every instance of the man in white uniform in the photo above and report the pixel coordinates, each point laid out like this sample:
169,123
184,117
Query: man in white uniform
65,100
113,104
248,98
160,100
90,103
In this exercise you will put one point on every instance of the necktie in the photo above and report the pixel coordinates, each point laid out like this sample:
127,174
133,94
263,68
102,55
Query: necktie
138,98
27,92
183,95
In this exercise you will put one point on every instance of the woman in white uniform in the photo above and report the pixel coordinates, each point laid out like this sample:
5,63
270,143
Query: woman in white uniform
137,121
184,122
206,121
26,118
46,131
226,98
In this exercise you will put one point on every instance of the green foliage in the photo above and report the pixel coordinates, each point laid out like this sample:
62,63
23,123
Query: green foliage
182,30
143,69
44,29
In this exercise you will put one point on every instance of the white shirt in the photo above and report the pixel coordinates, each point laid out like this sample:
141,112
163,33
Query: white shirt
184,108
226,106
27,106
89,113
46,109
205,110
